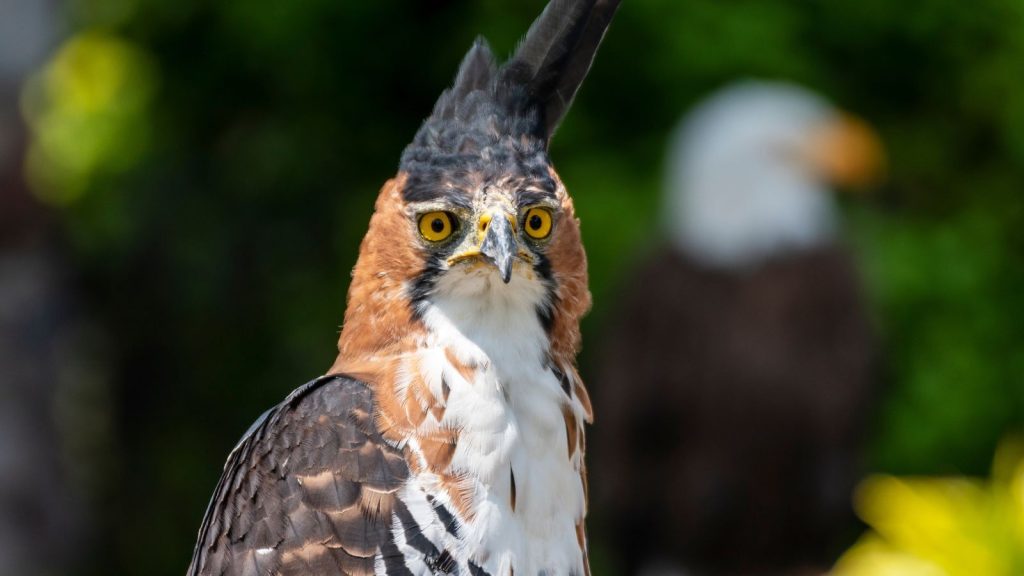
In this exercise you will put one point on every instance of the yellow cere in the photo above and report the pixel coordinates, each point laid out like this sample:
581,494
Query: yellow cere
436,226
537,223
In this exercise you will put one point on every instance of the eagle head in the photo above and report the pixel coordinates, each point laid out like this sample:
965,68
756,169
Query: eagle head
477,212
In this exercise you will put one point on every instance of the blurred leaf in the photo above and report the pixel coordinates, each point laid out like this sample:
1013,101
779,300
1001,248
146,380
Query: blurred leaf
950,526
88,113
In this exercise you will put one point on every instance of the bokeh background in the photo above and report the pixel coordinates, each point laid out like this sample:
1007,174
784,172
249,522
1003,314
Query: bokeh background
184,184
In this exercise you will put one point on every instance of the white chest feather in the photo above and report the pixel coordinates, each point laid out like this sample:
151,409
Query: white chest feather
487,354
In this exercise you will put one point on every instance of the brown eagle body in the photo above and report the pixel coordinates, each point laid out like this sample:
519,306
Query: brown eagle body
447,438
737,366
744,400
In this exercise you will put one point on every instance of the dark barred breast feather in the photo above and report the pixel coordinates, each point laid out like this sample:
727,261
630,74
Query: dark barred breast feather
313,489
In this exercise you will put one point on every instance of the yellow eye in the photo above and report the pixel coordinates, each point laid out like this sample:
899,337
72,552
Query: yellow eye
537,223
436,226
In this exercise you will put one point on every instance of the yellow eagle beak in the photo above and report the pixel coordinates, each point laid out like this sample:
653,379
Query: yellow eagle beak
848,152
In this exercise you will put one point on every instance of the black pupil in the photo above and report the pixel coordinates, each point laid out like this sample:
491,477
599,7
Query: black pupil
536,222
437,225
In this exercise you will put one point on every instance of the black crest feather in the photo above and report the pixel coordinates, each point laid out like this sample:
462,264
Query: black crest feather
475,74
559,50
495,121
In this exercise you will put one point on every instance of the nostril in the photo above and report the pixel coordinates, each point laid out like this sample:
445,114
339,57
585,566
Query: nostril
485,221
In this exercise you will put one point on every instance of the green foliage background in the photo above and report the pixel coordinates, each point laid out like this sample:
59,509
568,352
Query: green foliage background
215,219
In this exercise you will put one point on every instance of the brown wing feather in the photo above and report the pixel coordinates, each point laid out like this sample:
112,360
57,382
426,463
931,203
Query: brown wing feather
308,490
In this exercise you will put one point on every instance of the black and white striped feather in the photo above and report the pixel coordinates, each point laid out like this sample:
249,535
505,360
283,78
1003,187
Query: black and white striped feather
312,488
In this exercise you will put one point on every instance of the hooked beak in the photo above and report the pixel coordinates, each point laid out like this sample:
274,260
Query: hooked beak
499,245
848,152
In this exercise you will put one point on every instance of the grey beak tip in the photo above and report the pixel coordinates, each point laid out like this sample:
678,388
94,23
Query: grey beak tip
499,247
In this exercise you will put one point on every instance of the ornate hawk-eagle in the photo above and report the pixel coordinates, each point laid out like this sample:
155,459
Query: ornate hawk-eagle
447,438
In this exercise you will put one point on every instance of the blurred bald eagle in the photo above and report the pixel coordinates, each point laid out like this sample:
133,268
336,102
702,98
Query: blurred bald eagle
738,365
